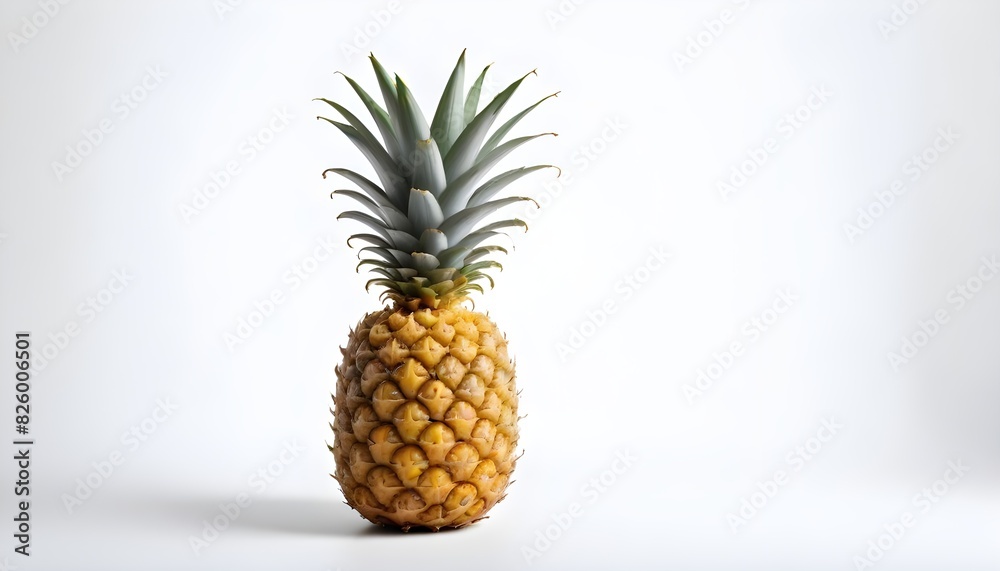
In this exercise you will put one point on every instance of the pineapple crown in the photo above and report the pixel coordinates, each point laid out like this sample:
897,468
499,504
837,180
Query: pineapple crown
426,241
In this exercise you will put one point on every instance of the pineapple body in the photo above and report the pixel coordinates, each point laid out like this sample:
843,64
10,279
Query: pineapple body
425,418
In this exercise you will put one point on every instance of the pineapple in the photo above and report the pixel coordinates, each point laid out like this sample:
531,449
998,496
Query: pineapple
425,410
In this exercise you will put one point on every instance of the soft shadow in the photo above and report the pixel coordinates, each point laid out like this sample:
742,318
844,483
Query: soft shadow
299,516
294,515
303,516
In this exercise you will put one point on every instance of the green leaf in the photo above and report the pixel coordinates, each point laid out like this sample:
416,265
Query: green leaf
388,89
381,118
424,262
463,153
394,286
428,171
370,238
472,99
442,287
499,182
449,118
413,125
379,251
472,285
475,276
361,128
500,133
424,211
387,212
397,199
395,258
370,221
453,257
383,164
475,267
433,241
402,240
456,196
456,253
483,251
389,273
442,274
458,226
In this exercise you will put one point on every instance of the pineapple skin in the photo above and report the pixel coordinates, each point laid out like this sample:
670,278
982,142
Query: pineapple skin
425,417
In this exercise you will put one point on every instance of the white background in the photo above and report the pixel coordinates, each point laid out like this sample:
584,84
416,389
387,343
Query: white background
654,184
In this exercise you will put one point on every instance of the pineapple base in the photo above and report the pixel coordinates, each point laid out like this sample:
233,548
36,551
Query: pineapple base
425,417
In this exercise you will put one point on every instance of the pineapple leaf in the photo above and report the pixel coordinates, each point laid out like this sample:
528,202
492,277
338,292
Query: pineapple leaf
361,128
442,287
424,211
424,262
458,226
382,120
413,126
474,286
433,241
456,254
483,251
388,273
456,196
476,266
453,257
387,212
504,224
499,182
395,258
402,240
472,99
370,238
384,166
428,171
449,119
368,186
388,89
475,276
500,133
378,250
442,274
389,284
463,153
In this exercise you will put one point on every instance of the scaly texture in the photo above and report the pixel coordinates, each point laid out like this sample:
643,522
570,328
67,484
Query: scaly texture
425,417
